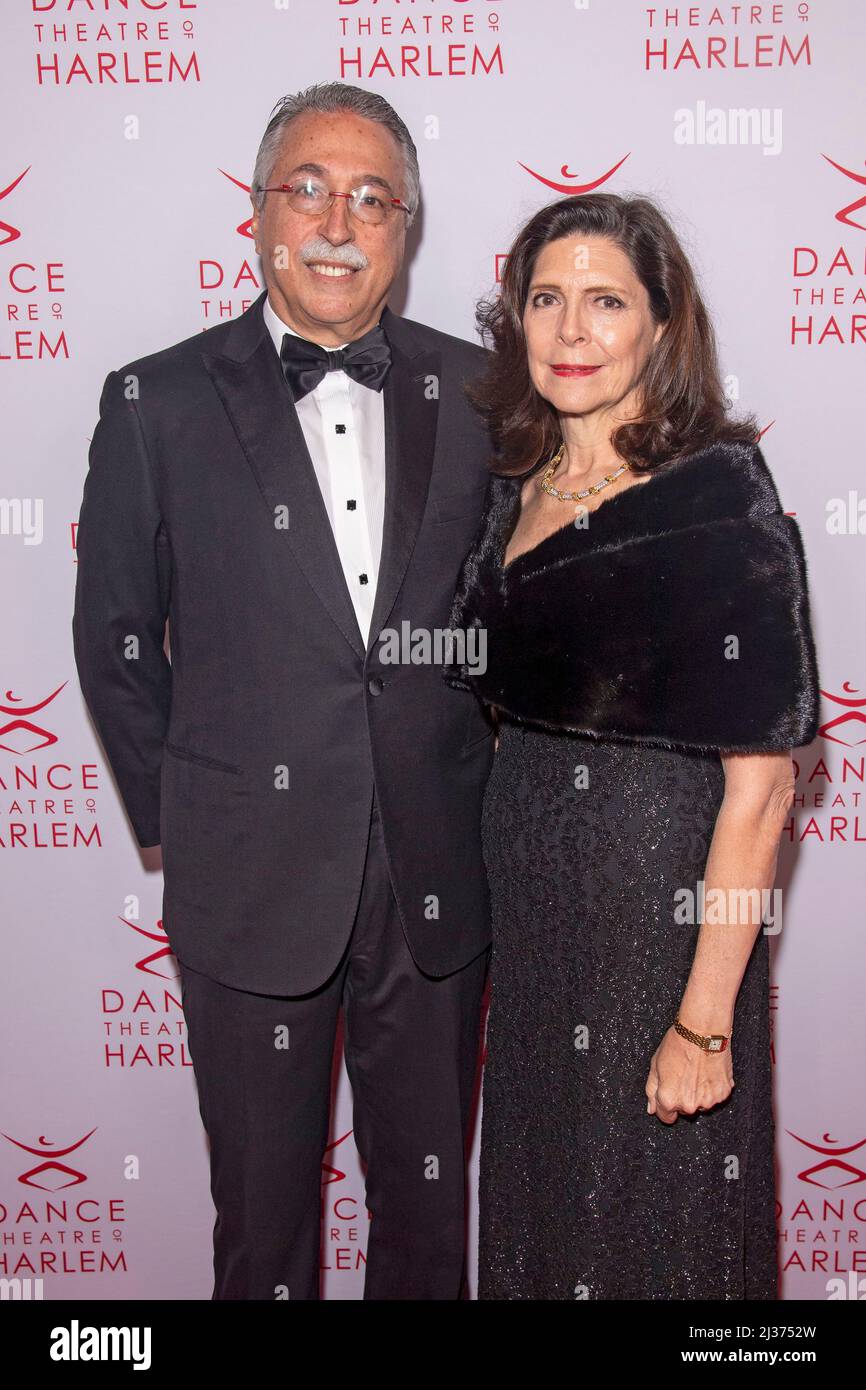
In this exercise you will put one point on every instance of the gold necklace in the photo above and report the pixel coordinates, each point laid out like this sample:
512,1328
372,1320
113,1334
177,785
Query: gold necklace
547,486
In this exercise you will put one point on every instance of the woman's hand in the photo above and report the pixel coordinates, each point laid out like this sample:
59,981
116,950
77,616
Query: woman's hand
684,1079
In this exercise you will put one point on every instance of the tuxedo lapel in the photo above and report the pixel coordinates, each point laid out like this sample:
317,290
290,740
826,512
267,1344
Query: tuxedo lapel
411,419
249,380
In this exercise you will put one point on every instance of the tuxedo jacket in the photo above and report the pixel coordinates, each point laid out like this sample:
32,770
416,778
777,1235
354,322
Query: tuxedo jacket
252,753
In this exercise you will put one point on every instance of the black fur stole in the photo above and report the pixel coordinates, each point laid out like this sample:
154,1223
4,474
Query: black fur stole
679,615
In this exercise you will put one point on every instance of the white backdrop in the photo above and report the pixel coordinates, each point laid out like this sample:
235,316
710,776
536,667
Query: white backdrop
131,128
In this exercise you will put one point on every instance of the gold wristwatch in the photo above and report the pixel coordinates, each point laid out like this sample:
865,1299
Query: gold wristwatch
714,1042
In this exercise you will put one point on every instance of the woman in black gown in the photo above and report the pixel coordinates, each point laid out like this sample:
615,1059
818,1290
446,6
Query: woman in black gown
650,665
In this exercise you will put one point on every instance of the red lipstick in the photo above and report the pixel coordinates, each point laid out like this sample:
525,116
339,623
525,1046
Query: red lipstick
568,369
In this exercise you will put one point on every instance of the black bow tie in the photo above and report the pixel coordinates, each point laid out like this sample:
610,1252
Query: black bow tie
366,360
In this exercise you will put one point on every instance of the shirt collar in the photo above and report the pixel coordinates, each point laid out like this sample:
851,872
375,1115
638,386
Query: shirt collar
276,328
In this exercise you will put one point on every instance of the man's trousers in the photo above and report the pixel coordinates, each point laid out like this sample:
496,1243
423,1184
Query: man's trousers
263,1066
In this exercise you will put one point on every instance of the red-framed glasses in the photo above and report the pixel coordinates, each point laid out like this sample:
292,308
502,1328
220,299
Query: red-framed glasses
369,203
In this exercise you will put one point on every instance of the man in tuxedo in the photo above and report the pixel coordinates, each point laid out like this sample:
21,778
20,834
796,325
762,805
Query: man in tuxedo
290,490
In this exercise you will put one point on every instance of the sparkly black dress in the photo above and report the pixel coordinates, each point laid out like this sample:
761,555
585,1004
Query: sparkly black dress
582,1193
587,836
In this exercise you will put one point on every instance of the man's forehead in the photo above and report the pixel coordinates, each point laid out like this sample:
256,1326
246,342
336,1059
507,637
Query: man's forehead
357,175
322,142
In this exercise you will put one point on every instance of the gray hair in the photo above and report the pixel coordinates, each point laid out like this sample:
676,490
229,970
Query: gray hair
324,98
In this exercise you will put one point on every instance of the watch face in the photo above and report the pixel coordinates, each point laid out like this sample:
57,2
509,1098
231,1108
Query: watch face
715,1045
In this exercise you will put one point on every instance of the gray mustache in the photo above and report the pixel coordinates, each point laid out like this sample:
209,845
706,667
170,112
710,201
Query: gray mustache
320,250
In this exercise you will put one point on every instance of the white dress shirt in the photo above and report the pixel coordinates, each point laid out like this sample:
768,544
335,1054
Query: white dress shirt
344,426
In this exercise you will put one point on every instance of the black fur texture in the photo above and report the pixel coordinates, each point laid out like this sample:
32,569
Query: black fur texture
624,628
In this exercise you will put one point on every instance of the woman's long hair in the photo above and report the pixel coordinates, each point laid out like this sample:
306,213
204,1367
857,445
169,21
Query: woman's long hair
683,406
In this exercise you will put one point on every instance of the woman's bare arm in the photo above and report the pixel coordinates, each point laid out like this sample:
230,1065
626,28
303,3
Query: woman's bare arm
759,793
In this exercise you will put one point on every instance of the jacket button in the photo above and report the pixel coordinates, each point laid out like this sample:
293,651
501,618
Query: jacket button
375,685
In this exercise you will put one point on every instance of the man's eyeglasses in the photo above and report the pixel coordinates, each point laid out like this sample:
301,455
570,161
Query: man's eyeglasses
369,203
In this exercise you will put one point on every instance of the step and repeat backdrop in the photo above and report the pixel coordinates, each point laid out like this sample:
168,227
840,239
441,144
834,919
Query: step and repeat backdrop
130,131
